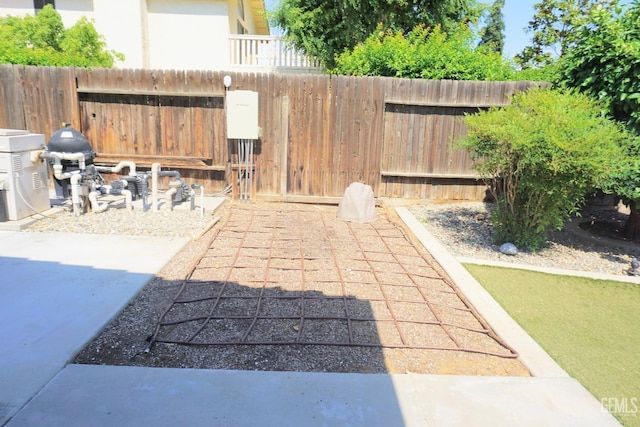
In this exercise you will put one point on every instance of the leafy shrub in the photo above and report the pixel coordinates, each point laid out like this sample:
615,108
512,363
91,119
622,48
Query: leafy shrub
540,156
426,54
547,73
43,40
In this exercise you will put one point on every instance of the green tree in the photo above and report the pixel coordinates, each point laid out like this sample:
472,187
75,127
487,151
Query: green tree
43,40
425,54
325,28
605,64
493,33
624,182
554,28
540,156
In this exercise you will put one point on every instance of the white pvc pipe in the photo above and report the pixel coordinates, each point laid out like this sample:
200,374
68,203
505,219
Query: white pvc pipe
95,206
74,176
169,195
57,172
117,168
128,199
155,168
98,207
202,201
75,193
57,157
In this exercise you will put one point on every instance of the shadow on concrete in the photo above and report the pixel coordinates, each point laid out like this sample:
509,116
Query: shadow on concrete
48,312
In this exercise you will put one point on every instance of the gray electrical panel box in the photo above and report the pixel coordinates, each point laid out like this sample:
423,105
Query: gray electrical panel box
242,115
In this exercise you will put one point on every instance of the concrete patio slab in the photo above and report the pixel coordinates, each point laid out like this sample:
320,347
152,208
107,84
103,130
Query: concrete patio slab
57,291
84,395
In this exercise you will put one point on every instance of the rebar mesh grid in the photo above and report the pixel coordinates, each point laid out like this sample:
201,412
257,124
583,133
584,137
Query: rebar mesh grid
295,274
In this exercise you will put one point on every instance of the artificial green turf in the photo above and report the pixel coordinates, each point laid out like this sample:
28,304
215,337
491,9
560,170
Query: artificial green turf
591,328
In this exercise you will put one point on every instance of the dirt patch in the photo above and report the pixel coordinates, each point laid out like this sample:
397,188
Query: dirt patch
291,288
608,223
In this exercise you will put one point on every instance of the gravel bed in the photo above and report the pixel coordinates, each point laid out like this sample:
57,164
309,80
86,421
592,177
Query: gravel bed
118,220
125,340
465,230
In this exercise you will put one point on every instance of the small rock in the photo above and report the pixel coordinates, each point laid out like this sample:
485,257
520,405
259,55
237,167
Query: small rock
509,249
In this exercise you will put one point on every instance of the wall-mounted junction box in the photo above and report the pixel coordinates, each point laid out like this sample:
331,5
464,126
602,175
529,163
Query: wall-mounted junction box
242,114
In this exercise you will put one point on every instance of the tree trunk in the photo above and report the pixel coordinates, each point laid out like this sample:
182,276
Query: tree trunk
632,227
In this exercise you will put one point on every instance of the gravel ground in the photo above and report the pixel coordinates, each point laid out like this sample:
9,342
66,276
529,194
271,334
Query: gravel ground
117,220
465,230
125,339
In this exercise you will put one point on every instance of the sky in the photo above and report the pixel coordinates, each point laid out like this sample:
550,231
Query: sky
517,14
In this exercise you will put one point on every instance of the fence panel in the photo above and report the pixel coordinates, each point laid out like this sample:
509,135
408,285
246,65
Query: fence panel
319,132
12,97
39,99
423,122
170,117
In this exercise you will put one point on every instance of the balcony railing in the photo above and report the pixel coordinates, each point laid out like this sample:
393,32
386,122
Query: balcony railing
268,53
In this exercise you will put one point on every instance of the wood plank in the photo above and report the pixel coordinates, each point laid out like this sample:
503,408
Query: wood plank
12,98
377,133
329,125
284,145
429,175
220,149
190,94
446,104
165,161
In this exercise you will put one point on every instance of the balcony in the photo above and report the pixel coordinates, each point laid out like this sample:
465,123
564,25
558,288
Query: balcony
268,53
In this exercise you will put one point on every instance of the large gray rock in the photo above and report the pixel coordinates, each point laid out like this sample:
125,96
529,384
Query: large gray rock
357,204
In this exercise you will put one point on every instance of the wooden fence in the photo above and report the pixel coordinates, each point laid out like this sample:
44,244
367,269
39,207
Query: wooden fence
319,132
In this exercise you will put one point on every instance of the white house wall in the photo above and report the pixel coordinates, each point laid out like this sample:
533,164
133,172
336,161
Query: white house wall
72,10
191,34
16,7
119,21
160,34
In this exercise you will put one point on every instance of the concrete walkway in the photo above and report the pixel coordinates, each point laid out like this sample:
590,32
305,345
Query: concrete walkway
57,291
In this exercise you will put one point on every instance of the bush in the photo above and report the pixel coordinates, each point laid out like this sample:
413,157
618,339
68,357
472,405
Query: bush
43,40
425,54
540,156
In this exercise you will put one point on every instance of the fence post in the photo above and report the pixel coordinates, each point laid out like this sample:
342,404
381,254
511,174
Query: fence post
284,125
